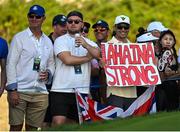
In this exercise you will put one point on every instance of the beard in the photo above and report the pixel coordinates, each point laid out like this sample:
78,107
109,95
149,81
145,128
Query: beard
73,31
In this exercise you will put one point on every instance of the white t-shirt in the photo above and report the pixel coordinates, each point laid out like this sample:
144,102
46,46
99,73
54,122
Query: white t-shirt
65,78
23,49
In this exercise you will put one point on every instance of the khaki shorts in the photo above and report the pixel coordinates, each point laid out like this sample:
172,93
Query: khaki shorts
32,107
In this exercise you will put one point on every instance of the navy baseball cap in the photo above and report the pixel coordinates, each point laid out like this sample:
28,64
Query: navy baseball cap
37,9
101,23
59,19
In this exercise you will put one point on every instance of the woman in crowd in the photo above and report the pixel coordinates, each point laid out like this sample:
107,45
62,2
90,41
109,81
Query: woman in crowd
168,66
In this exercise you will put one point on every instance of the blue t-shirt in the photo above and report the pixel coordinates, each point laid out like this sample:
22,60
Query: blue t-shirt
3,48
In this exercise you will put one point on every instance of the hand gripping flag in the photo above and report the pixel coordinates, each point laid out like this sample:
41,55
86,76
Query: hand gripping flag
94,111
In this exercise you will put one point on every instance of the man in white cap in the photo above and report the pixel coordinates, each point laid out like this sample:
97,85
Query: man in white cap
121,96
147,37
121,29
155,28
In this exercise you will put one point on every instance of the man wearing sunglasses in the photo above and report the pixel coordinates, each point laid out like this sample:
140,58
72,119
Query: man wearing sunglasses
101,31
121,96
98,77
30,50
73,55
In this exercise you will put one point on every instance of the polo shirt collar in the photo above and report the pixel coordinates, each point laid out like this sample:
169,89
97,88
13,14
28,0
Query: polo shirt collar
31,34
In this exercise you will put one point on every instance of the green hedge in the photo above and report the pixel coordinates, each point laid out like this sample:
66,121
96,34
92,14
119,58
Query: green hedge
141,12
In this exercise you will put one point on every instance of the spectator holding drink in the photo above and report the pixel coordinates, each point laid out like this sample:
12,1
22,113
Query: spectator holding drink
73,55
30,64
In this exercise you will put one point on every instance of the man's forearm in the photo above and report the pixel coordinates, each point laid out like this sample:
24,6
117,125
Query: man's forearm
73,60
94,51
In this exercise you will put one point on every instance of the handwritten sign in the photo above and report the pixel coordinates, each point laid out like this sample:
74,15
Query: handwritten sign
130,64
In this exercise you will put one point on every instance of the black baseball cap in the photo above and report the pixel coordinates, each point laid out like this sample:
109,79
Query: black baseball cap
59,19
75,13
86,24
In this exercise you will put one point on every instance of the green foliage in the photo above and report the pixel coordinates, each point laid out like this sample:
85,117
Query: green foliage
167,121
141,12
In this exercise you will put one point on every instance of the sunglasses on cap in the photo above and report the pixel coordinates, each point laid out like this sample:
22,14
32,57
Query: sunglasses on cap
121,26
74,21
99,29
32,16
85,30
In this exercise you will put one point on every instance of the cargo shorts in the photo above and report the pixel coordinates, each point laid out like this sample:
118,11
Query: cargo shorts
32,107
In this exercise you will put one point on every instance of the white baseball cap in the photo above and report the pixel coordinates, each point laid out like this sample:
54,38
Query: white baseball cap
156,26
122,19
146,38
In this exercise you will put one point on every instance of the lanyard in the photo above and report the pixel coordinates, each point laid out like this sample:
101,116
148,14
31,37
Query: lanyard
39,46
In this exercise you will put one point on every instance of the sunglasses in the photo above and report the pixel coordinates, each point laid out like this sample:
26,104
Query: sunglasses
125,26
85,30
99,30
31,16
74,21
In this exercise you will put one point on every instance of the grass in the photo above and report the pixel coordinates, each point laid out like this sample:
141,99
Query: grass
165,121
